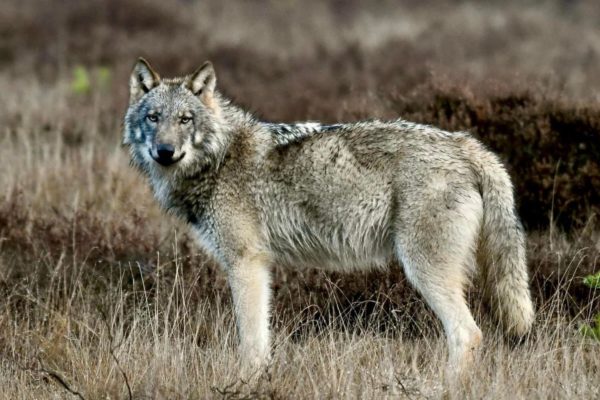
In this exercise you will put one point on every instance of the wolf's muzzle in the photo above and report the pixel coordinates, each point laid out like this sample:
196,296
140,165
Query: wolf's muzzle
164,154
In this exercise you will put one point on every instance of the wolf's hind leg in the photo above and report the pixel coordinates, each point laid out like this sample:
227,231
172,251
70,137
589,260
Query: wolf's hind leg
250,280
437,249
445,296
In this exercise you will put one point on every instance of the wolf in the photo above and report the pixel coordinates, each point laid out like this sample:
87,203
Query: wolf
344,197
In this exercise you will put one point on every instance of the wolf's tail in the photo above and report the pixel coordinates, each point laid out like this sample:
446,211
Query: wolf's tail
501,252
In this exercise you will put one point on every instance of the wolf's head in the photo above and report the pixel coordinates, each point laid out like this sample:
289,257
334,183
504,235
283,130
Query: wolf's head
171,123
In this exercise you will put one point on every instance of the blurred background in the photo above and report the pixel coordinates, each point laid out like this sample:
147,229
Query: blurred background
520,75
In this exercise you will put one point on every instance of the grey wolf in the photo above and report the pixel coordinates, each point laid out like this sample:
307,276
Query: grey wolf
344,197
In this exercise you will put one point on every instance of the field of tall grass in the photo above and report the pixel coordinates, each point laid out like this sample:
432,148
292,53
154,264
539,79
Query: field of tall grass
104,296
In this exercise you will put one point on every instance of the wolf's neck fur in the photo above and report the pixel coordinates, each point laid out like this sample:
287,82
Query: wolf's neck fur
232,115
229,120
188,192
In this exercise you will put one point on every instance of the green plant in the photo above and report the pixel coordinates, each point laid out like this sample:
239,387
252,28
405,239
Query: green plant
81,80
82,83
592,281
592,331
103,77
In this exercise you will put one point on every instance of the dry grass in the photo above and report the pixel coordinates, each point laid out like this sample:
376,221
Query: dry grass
100,336
102,292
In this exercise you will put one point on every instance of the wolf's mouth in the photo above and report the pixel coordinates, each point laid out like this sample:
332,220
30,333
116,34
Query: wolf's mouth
166,161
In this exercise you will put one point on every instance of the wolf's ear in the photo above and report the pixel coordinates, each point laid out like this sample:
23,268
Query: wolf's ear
143,78
203,81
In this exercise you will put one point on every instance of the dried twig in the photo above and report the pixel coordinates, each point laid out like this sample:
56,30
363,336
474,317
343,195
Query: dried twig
54,375
61,381
112,349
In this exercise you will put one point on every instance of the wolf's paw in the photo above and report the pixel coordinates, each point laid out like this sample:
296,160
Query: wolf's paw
254,363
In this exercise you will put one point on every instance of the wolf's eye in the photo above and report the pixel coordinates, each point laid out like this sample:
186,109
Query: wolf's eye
152,117
184,120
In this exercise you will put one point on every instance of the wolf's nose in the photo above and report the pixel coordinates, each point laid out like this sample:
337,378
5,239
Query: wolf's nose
165,151
164,154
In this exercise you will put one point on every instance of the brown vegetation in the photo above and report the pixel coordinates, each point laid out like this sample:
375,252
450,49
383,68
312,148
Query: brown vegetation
102,291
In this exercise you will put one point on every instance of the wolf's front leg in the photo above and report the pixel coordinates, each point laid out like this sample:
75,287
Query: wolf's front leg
250,282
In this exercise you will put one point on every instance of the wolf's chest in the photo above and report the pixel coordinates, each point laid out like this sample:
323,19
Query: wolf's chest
207,238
